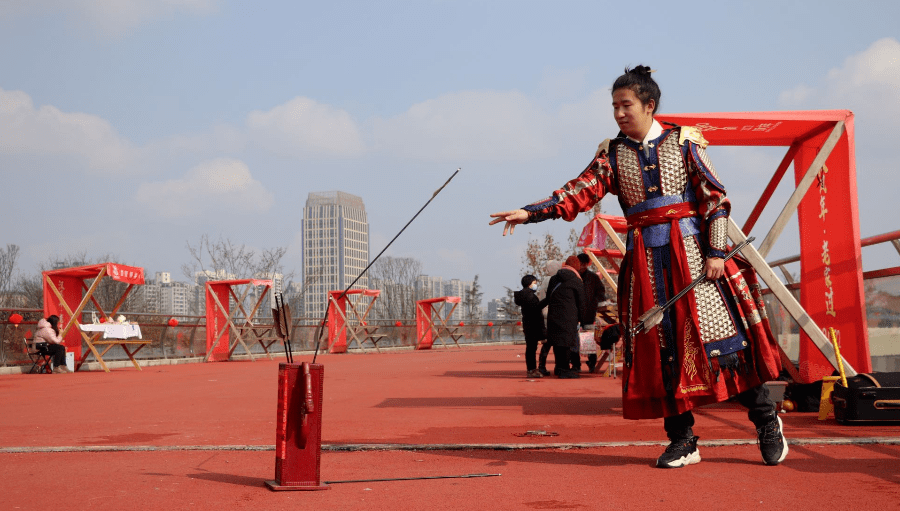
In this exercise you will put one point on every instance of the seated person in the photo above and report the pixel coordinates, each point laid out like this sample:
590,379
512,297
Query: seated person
609,337
47,340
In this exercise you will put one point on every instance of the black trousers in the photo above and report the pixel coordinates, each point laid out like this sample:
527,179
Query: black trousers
56,351
760,410
575,360
562,358
542,358
531,353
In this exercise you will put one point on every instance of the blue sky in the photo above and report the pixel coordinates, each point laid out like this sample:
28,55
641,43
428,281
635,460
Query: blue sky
132,127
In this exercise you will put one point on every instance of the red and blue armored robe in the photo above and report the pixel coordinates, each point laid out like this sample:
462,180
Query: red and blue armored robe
715,342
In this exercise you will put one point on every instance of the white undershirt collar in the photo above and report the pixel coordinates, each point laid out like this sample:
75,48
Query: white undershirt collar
655,131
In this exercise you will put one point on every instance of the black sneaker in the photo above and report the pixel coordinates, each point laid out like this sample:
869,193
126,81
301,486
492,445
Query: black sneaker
772,444
680,453
544,371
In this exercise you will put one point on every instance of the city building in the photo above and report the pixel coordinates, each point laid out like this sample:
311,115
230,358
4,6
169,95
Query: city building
335,247
428,286
175,298
456,287
496,310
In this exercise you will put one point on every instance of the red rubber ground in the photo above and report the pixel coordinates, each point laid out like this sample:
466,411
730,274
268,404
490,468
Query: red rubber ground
473,396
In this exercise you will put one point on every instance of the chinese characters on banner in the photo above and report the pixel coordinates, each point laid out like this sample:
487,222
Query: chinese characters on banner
826,257
763,127
127,274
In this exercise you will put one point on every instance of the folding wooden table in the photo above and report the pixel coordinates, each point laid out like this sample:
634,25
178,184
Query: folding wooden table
345,319
431,321
124,336
220,316
66,294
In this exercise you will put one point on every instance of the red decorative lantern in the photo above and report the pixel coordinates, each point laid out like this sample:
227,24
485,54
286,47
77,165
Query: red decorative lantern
490,323
173,322
15,318
462,324
518,323
399,323
103,320
363,323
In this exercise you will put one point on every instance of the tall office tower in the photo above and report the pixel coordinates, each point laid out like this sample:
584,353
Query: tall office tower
456,287
335,247
429,287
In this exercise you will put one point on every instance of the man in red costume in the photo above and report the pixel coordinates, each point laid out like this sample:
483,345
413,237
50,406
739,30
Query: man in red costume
715,342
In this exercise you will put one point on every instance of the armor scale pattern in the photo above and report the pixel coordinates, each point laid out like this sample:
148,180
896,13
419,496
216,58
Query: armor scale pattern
718,233
706,161
631,182
672,173
712,313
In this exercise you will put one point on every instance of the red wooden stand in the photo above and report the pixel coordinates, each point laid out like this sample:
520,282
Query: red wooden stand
298,434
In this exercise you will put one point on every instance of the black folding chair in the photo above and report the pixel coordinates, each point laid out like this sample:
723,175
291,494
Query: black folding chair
40,357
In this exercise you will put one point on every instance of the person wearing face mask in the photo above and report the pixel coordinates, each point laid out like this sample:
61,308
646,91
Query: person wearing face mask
532,322
714,343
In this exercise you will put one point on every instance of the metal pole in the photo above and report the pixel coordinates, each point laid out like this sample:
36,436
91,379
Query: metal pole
325,316
464,476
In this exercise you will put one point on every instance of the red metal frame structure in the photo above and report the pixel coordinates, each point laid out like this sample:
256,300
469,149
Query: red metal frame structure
339,324
66,294
427,329
821,148
220,316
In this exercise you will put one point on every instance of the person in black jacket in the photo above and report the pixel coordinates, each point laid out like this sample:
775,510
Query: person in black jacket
594,293
532,322
565,295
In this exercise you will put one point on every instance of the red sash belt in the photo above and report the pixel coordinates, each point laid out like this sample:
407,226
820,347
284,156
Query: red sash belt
661,215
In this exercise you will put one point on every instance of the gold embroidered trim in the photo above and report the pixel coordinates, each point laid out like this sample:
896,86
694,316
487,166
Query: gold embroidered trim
694,135
693,388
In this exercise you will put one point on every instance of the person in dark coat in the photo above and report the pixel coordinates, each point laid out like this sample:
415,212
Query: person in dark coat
565,295
594,293
532,322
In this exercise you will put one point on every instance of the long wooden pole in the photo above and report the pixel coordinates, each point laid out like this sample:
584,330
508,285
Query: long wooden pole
790,304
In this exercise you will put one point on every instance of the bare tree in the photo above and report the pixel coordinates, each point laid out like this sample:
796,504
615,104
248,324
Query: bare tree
8,257
30,290
572,247
472,301
224,259
537,254
396,278
513,312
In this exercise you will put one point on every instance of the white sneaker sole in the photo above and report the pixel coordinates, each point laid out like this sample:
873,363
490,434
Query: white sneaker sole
784,453
690,459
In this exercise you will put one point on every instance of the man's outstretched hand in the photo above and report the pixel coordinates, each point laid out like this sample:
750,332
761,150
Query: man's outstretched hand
512,219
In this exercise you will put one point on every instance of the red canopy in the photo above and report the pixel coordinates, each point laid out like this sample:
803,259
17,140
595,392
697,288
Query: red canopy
120,272
65,294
